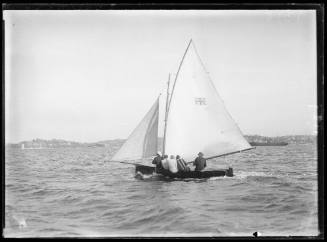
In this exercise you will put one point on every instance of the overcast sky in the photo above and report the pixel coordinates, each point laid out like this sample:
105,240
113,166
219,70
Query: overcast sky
92,75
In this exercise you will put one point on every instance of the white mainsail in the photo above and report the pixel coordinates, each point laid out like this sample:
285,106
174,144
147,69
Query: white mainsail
197,117
143,141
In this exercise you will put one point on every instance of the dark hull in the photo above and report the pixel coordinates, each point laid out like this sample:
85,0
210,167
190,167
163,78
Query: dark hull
268,144
146,170
197,174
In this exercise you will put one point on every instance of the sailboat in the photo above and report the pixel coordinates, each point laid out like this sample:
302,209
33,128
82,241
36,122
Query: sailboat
196,120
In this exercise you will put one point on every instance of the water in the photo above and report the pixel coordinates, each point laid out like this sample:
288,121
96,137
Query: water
73,192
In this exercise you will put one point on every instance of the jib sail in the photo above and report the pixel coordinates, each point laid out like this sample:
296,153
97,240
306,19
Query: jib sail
143,141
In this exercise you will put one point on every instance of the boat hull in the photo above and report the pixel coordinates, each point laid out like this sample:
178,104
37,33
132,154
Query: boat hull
147,170
197,174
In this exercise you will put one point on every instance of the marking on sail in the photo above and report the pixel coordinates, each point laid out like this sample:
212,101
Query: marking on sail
200,101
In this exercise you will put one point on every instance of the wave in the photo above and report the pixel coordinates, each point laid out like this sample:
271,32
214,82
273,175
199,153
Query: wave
246,174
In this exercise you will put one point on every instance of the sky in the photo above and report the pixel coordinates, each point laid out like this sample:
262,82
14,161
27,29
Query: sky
92,75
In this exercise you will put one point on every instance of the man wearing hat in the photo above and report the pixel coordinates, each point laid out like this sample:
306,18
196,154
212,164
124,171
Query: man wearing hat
200,162
157,161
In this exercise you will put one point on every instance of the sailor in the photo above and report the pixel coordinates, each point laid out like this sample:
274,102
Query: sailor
181,164
164,162
200,162
172,164
157,160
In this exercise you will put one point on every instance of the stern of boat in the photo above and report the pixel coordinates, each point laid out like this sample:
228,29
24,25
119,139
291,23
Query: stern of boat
146,170
229,172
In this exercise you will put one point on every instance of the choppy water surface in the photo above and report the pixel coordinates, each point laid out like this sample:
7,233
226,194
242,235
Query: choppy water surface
73,192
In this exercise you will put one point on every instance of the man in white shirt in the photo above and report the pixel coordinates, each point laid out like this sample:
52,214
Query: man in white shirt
172,164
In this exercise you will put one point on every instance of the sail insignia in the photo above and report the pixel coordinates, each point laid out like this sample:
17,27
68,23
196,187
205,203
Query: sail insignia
200,101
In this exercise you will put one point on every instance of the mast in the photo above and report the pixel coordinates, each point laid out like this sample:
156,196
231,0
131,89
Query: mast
180,65
168,100
166,115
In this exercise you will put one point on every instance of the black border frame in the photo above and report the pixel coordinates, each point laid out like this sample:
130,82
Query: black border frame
320,20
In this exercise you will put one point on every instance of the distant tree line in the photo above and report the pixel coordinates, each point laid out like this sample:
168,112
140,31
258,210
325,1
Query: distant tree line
115,144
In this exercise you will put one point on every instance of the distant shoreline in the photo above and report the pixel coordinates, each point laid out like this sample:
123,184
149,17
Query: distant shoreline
116,143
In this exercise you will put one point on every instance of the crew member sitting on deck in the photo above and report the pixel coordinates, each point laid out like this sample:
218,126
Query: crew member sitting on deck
157,160
181,164
172,164
164,162
200,162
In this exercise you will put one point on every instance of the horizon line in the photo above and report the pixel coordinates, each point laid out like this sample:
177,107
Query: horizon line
158,137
